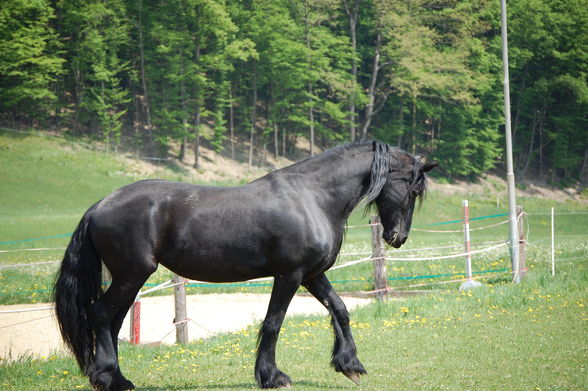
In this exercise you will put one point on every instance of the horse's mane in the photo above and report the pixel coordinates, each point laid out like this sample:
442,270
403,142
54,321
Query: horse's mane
378,172
382,164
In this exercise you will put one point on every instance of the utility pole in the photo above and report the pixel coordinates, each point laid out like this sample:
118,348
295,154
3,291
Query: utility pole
510,179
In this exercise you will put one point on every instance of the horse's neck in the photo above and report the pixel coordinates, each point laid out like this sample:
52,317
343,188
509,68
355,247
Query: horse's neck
344,175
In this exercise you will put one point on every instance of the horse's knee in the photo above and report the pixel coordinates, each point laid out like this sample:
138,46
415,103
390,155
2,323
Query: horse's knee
270,327
342,314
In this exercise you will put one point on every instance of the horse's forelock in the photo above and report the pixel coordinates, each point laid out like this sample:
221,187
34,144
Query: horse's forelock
418,185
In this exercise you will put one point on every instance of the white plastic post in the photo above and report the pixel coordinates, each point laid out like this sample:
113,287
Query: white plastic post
466,237
552,242
470,283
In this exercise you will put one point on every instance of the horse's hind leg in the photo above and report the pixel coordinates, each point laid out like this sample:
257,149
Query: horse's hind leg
114,330
267,373
105,316
344,357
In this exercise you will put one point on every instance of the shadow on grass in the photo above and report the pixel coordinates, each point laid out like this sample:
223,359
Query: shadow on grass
239,386
200,387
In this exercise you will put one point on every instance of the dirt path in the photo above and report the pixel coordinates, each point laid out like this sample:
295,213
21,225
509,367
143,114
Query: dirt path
36,333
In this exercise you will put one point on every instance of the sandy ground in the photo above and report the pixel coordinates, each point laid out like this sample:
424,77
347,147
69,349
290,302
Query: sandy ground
36,333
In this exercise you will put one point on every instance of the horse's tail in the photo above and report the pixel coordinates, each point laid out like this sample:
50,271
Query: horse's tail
78,284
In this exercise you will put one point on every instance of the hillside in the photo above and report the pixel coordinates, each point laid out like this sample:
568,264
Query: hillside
73,172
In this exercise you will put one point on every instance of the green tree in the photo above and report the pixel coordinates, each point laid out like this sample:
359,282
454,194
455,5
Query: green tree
97,36
550,88
30,61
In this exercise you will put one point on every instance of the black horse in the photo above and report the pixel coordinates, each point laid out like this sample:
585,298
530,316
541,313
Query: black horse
288,224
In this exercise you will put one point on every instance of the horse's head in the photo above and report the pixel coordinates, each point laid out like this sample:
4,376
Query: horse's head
401,179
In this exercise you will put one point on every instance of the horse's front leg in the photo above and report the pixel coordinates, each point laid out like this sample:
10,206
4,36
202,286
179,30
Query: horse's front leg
267,373
344,357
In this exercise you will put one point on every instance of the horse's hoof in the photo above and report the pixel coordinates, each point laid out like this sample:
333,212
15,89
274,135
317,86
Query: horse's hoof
278,380
353,376
127,385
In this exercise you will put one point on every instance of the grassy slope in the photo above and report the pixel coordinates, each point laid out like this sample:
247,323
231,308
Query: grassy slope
527,337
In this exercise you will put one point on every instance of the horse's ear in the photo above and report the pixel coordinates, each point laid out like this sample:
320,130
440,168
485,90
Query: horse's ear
428,166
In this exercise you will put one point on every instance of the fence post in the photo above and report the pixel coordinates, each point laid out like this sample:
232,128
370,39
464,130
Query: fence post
379,259
470,283
466,237
135,317
181,317
521,228
553,242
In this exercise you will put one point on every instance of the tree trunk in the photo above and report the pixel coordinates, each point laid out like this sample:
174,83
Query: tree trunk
274,117
184,112
197,116
79,97
537,123
143,78
518,111
231,121
284,142
540,152
414,125
197,136
309,65
253,119
369,110
352,10
311,118
523,171
584,169
401,123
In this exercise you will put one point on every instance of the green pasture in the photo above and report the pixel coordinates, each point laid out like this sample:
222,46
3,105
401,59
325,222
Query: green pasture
49,182
530,336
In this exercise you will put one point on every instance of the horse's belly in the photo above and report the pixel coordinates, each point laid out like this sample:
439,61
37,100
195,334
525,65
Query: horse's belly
216,269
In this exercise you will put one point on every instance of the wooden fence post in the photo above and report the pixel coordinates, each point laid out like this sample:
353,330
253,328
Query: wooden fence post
522,243
379,259
181,317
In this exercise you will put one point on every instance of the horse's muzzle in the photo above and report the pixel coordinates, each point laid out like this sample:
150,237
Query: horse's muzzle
394,239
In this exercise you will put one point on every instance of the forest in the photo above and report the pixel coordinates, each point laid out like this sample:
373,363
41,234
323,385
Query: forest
424,75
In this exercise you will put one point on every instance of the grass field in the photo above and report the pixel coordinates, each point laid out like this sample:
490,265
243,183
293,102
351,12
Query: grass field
531,336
